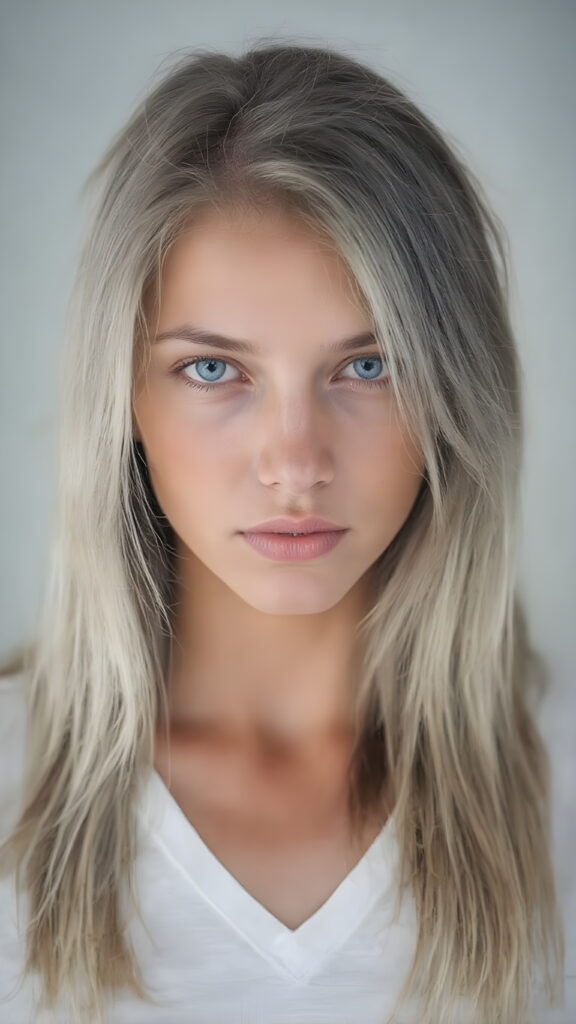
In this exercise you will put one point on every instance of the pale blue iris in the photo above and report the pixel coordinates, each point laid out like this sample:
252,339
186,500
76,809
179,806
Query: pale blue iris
356,363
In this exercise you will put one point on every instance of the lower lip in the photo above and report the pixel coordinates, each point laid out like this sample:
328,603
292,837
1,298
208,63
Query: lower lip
282,548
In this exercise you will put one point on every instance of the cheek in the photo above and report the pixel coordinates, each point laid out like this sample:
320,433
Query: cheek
391,476
181,456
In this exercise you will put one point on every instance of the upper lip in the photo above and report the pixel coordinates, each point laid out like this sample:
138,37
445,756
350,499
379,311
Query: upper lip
310,524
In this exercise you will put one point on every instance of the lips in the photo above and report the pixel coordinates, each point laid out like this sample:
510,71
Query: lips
281,548
290,526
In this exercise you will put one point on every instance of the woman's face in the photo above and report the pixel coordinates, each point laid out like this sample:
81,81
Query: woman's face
293,427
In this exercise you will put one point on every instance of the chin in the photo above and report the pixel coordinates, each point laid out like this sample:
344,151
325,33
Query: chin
299,597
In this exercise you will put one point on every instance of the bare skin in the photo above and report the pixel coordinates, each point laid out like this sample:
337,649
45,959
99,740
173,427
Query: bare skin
265,658
277,820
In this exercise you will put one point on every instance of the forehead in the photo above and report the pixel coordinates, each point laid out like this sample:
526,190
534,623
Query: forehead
256,266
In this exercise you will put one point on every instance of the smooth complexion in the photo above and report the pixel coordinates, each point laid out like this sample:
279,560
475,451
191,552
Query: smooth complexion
264,660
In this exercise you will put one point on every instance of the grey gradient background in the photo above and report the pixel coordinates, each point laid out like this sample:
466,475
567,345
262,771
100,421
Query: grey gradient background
498,77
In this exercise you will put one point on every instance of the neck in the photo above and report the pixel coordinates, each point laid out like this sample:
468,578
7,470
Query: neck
236,670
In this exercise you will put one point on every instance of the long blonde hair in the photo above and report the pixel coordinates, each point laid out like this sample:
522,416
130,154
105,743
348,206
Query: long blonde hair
444,705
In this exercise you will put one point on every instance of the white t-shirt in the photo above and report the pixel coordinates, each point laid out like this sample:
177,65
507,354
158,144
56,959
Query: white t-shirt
210,952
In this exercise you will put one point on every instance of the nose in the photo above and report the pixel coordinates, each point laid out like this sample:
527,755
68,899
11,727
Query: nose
295,452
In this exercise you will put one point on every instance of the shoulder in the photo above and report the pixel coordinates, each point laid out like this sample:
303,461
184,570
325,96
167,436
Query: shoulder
13,717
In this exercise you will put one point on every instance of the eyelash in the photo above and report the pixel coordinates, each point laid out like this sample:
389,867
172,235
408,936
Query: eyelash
178,371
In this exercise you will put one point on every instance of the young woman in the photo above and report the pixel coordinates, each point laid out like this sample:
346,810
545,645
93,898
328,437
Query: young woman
281,762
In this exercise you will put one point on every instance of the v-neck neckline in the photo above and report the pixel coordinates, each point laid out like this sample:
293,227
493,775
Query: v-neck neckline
297,952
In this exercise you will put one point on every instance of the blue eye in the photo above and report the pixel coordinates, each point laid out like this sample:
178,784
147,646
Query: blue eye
212,369
360,366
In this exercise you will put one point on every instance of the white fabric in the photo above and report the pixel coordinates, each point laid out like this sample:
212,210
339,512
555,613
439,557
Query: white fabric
210,953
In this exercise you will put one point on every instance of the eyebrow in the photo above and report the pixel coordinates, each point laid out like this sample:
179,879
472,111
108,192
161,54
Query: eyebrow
196,336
